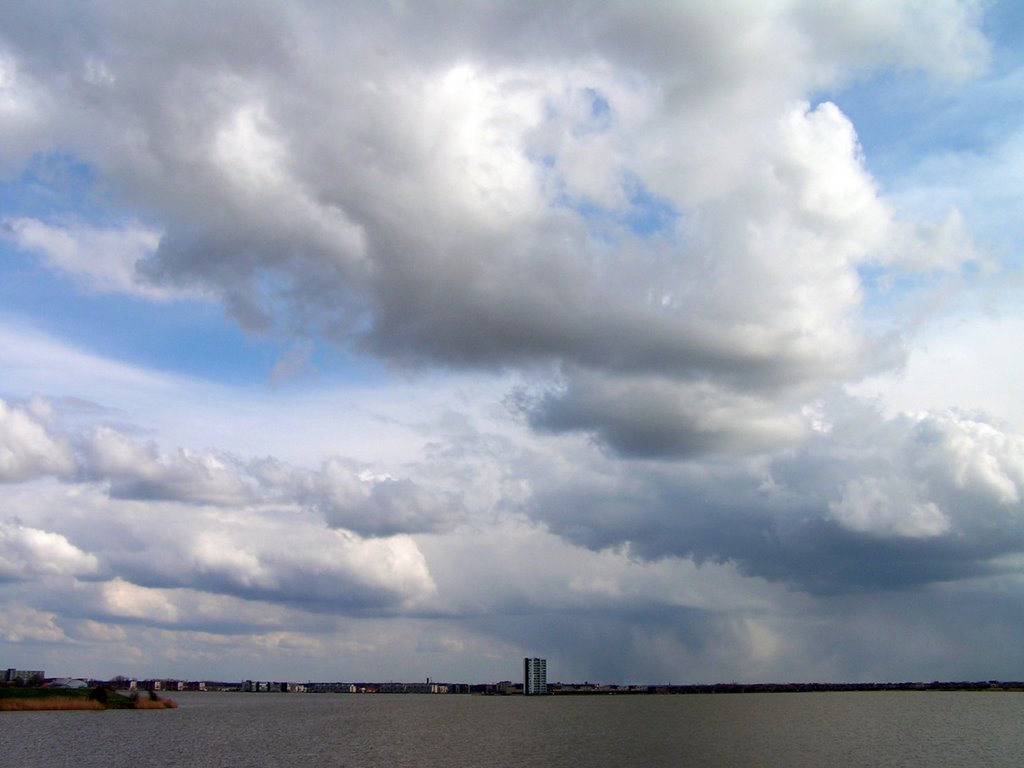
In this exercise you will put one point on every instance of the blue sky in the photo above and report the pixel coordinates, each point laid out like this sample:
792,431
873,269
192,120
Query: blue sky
662,342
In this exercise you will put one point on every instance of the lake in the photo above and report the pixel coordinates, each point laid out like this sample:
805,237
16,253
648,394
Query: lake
784,729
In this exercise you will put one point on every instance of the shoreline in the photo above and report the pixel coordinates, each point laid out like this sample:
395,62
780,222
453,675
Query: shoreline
561,689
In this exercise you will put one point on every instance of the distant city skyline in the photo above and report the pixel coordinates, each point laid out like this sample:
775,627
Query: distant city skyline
534,683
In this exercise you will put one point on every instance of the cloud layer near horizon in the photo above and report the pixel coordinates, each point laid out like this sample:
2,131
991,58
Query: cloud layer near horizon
635,266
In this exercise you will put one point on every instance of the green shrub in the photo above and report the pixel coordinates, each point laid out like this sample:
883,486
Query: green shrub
100,694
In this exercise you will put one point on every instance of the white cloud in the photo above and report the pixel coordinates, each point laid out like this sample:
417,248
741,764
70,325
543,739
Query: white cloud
27,449
888,508
137,471
104,260
24,624
27,553
23,111
295,560
959,360
940,37
977,456
275,554
944,245
359,501
130,601
395,206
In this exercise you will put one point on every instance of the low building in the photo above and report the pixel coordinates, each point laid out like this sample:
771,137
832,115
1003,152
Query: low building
68,682
24,676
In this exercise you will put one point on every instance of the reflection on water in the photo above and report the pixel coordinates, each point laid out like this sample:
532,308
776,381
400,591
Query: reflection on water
802,729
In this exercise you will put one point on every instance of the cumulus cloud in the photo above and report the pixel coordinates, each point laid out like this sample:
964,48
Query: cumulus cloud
855,500
141,472
306,565
376,505
871,501
345,495
334,539
126,600
973,455
156,558
395,207
27,447
24,624
27,552
886,507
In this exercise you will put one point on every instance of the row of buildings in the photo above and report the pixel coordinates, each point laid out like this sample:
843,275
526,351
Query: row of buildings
266,686
534,684
23,676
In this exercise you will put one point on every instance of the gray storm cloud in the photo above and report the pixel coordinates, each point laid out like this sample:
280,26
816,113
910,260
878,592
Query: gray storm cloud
871,503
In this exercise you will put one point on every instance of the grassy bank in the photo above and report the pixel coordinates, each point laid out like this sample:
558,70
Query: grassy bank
40,699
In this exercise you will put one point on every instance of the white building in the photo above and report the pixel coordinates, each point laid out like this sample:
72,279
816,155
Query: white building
535,676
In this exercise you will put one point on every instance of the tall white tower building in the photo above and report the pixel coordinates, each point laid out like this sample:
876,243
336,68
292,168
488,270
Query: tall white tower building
535,677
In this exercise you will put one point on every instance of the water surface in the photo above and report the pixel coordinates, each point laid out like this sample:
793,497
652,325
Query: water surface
791,729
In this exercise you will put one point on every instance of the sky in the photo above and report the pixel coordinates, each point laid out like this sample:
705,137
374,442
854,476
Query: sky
668,341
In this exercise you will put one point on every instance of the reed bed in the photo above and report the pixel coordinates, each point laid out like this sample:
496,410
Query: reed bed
43,699
49,703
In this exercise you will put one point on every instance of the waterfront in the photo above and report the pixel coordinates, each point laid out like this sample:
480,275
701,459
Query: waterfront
806,729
